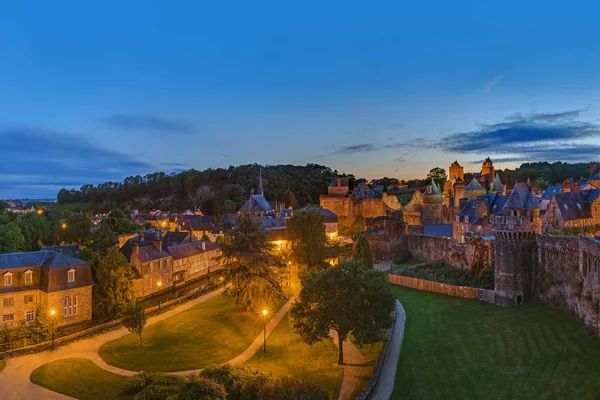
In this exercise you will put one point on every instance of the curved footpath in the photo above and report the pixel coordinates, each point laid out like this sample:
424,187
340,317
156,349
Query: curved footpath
15,378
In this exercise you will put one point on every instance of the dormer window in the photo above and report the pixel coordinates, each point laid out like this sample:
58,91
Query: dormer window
71,275
28,277
565,207
467,220
579,206
8,281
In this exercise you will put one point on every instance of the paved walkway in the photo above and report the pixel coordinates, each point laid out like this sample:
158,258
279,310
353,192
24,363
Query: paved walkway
385,384
354,367
383,266
14,378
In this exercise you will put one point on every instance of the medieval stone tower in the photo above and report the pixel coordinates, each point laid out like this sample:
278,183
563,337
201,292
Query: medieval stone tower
487,168
515,247
432,205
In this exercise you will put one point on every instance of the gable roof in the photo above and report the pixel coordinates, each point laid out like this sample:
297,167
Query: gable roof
572,206
256,203
173,238
551,190
151,253
474,185
190,249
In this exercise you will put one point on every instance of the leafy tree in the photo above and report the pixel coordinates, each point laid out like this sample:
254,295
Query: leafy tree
134,319
103,239
438,175
4,205
11,238
205,238
248,262
77,229
350,299
41,328
201,388
306,230
290,199
114,286
362,251
117,213
36,230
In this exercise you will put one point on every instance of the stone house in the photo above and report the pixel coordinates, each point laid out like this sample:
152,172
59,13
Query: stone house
572,210
338,187
48,279
193,260
474,219
152,268
363,191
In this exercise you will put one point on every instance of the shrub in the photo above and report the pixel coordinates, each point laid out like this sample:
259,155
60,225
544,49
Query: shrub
290,388
201,388
241,382
398,257
157,392
138,383
444,273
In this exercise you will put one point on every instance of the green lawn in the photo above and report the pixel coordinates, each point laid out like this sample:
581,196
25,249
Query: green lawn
79,378
371,353
287,355
466,349
210,333
2,364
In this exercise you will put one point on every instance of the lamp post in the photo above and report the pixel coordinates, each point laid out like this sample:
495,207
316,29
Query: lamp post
52,312
289,273
159,298
265,331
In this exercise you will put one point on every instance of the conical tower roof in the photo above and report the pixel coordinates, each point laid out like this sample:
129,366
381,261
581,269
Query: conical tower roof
474,185
497,184
435,189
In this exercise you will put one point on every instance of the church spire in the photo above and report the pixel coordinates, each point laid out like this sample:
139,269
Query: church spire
260,185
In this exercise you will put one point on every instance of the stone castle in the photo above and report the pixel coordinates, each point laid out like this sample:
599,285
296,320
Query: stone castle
361,202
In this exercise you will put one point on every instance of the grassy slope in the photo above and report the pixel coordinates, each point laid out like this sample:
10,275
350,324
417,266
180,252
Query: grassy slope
287,355
79,378
458,349
210,333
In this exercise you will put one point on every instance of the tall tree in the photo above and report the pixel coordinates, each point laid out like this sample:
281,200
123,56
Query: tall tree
114,286
11,238
248,261
290,199
134,319
438,175
36,230
306,230
362,251
350,299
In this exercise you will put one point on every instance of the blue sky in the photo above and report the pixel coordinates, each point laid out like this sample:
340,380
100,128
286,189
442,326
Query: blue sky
95,91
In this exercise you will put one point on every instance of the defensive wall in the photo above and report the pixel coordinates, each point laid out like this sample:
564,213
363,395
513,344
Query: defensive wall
563,271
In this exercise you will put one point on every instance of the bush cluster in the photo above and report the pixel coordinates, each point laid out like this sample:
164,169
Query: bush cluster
220,383
444,273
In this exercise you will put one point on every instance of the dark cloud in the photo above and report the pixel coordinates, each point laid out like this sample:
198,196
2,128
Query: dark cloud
535,137
173,164
148,123
34,156
400,159
358,148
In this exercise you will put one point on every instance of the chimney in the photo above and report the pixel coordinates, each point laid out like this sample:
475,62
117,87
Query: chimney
593,168
203,245
134,258
157,241
191,233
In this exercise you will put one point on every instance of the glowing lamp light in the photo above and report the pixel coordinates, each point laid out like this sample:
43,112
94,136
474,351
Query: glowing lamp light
159,284
265,312
52,312
63,226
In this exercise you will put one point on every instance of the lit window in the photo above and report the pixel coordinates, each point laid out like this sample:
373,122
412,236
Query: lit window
8,279
467,219
8,317
71,275
8,302
28,299
30,315
28,277
67,306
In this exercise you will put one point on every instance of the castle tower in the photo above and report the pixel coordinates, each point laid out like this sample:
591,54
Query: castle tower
487,168
515,248
456,171
432,205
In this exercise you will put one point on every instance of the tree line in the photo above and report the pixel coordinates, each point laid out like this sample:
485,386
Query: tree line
213,191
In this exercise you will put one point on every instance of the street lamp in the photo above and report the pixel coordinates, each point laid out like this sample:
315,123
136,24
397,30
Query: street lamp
159,299
265,331
52,312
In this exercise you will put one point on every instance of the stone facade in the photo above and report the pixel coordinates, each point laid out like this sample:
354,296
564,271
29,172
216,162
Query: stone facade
351,209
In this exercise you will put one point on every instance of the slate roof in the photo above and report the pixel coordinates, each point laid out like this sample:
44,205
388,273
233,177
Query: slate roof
256,203
190,249
127,247
521,198
474,185
174,238
572,206
342,180
438,230
272,222
435,188
591,195
497,184
47,259
151,253
550,190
